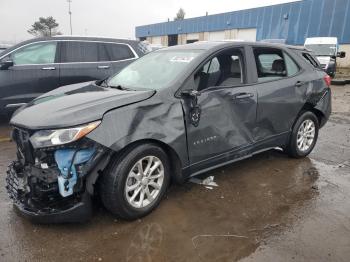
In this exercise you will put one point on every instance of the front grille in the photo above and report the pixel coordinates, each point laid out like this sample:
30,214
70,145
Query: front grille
25,149
13,187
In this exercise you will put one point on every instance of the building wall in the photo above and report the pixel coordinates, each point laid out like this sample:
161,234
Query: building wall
344,62
291,21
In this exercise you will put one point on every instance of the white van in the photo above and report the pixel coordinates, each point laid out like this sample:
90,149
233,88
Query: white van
326,49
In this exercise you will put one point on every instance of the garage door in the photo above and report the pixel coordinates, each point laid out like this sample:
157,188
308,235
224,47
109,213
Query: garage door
216,36
194,36
157,40
247,34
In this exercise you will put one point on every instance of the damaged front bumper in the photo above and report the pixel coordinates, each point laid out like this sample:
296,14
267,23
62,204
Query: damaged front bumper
51,210
55,185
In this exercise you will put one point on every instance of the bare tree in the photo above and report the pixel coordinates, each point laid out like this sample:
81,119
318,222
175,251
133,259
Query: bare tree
44,27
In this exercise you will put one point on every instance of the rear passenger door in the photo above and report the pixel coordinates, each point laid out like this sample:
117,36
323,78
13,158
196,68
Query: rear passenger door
281,88
80,62
118,55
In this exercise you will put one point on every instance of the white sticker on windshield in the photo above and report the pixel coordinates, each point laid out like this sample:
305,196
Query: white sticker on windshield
182,59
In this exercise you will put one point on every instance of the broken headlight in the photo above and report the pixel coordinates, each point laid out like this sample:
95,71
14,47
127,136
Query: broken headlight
46,138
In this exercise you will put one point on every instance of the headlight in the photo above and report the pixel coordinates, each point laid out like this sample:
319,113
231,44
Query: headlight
45,138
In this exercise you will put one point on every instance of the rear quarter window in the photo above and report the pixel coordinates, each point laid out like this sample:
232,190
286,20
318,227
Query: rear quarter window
310,59
115,52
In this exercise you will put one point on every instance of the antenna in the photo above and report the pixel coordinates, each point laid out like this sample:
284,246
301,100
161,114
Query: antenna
70,16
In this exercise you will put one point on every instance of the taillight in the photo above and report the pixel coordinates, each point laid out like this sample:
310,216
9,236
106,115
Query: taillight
327,80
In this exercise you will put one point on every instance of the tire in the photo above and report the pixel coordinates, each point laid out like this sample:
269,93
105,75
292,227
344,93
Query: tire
124,172
298,149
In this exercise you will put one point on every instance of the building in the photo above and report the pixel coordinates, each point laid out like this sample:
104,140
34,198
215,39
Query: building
292,22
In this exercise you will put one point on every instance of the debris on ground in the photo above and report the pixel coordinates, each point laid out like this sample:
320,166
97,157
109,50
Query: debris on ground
207,182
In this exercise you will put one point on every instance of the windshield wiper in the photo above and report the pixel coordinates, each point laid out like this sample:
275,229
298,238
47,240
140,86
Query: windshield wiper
121,87
102,83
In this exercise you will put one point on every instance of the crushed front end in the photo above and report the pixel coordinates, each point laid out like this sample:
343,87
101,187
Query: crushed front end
49,184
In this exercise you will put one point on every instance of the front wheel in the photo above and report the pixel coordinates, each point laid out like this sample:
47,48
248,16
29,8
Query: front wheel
136,182
304,135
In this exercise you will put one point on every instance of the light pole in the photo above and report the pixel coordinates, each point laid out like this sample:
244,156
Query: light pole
70,16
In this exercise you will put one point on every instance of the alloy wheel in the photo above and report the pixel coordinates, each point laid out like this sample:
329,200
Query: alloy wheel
144,182
306,135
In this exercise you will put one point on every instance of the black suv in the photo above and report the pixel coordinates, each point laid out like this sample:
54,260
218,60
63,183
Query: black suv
37,66
172,114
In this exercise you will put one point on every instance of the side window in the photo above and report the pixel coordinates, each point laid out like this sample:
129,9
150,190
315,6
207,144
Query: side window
74,51
270,64
223,70
114,52
40,53
291,66
212,66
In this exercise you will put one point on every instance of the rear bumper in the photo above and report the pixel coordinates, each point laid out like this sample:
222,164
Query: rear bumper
74,210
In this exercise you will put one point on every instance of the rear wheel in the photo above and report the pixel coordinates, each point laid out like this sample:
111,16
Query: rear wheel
304,135
136,182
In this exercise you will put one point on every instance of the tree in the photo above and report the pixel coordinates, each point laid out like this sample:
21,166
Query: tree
180,15
44,27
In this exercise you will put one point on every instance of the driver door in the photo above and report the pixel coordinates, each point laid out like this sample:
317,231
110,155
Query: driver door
222,127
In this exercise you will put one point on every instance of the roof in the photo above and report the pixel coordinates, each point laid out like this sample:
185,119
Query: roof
209,45
292,21
321,40
60,38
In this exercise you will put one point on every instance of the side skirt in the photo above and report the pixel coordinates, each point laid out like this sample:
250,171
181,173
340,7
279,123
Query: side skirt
235,155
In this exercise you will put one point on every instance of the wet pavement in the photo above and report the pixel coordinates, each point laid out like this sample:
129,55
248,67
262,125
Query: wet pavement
267,208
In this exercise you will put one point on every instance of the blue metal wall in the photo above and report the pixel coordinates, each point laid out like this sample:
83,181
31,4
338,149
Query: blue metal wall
292,21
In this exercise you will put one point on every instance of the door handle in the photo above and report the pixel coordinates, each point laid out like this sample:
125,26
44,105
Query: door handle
299,84
103,67
243,95
48,68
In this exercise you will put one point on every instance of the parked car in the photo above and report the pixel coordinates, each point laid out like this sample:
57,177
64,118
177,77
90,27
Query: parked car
3,47
326,50
37,66
173,114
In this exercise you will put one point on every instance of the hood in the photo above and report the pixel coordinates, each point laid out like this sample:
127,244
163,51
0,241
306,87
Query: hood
324,60
74,105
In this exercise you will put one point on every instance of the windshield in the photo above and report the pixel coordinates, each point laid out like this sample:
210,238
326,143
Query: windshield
322,50
155,70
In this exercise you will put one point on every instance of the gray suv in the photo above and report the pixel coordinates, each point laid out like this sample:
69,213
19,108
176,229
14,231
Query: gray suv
37,66
174,113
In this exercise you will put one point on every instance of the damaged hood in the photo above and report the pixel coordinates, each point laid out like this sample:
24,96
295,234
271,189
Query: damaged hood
74,105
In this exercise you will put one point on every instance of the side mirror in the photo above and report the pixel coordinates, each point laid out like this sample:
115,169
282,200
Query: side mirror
195,110
6,65
341,54
190,93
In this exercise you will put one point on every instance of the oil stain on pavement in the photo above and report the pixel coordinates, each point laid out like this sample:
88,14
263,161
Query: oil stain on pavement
267,208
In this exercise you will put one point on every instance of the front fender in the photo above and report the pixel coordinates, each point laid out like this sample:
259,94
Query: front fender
151,119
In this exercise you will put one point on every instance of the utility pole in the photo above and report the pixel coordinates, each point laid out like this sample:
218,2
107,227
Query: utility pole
70,16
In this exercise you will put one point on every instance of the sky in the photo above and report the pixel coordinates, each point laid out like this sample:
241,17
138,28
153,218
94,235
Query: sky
113,18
